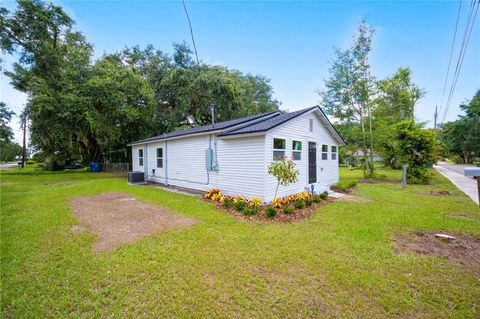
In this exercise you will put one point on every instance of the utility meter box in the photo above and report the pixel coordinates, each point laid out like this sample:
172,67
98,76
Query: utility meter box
209,159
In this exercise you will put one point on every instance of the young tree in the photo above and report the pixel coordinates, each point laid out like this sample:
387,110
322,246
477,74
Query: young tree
397,97
284,171
416,147
349,89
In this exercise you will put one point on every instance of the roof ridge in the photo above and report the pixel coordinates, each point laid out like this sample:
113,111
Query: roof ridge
220,126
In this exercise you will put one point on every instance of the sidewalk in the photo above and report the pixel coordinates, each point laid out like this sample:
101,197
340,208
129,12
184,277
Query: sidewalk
467,185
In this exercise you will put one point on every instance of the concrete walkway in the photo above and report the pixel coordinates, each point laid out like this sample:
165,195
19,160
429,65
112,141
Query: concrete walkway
455,174
7,165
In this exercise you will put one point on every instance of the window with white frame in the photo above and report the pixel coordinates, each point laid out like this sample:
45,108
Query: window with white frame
324,152
310,123
296,150
140,157
159,157
279,145
334,153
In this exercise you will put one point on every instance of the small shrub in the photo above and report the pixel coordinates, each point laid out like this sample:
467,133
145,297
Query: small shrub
317,198
239,205
299,204
309,201
324,195
31,162
255,202
304,195
217,197
249,211
345,186
373,175
239,198
277,203
418,175
271,212
288,209
227,202
210,193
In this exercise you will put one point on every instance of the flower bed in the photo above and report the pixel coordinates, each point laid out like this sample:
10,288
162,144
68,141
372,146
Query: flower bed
289,208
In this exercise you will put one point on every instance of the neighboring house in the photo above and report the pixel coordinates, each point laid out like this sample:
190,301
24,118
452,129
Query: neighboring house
233,156
353,158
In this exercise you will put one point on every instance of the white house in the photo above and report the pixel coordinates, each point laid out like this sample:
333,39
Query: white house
233,156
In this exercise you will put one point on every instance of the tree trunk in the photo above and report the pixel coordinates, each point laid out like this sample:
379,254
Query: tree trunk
276,190
24,147
371,139
364,146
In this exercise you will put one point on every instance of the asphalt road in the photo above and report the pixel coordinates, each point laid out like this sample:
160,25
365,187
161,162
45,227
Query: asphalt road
459,168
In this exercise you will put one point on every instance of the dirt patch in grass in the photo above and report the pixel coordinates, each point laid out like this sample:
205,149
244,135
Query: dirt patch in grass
462,249
280,217
118,218
442,193
379,181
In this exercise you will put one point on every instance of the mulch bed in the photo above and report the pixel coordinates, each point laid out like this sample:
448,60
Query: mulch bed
281,217
118,218
463,249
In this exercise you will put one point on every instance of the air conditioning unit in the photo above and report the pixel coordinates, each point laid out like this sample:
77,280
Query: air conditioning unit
136,178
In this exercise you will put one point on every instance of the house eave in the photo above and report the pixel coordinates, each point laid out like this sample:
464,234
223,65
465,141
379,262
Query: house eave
174,137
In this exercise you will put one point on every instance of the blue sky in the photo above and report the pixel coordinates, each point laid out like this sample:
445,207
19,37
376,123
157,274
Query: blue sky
291,43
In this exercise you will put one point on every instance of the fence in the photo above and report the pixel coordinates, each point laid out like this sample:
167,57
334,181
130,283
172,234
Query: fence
115,168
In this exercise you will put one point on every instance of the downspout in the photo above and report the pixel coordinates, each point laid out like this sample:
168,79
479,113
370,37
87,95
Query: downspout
145,160
166,163
209,147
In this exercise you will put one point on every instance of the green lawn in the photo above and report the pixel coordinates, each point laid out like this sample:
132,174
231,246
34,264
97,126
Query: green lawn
339,263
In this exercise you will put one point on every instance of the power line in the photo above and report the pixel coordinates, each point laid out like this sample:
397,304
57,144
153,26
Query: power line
472,14
191,31
451,53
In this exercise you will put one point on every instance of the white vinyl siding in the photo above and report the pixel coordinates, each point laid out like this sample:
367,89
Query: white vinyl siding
242,160
241,166
298,129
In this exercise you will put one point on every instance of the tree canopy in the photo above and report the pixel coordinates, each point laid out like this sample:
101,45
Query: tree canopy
462,137
89,110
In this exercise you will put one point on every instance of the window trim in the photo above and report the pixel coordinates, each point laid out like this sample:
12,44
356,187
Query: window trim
140,157
324,158
334,153
159,158
299,152
279,149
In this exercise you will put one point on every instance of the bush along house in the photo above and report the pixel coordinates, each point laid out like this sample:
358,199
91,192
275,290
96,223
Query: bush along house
234,155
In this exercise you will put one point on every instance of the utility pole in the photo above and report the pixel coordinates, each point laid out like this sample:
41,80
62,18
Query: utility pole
435,118
24,149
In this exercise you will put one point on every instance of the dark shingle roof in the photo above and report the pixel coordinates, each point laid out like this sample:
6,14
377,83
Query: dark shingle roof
208,128
246,125
267,124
